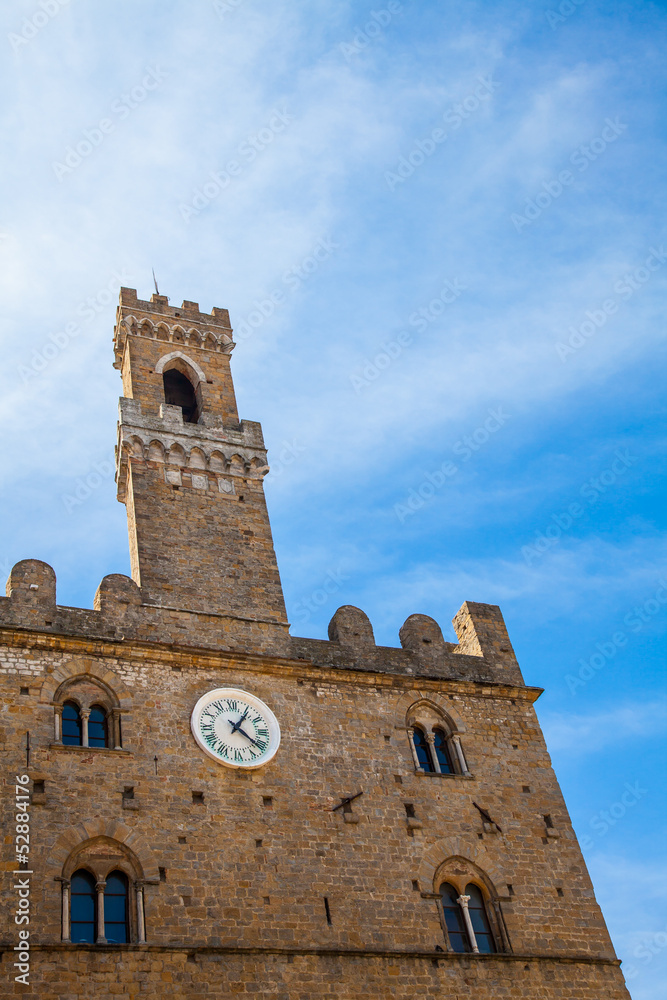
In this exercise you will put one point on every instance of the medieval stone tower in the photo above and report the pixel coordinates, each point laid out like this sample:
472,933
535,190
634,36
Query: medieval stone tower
199,805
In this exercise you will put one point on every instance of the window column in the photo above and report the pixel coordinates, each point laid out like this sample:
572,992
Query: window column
85,712
64,886
430,739
463,903
57,723
141,921
456,740
115,728
100,887
413,748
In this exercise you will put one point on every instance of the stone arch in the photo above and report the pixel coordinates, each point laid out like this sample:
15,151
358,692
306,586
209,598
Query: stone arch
217,462
131,323
430,712
258,467
441,704
101,855
135,446
165,363
73,841
83,667
162,331
237,465
197,459
146,328
458,871
156,452
176,455
437,857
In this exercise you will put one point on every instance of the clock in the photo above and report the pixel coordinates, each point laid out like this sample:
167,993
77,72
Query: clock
235,728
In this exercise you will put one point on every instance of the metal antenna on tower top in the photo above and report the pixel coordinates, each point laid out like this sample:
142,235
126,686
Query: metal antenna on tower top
157,290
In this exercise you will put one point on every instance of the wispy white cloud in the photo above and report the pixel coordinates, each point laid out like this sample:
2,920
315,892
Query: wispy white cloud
579,734
358,454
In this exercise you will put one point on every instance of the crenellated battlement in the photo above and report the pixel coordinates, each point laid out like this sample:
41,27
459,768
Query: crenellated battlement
482,655
157,320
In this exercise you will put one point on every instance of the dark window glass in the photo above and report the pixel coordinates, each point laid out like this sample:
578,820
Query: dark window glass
71,724
422,748
115,908
442,752
178,391
479,920
82,908
456,929
97,727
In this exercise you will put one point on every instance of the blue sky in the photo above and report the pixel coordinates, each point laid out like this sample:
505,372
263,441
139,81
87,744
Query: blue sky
478,348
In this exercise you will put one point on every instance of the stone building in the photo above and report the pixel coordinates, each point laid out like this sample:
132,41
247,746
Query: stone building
219,809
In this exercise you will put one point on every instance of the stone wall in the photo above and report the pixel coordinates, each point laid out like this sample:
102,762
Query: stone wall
77,974
251,864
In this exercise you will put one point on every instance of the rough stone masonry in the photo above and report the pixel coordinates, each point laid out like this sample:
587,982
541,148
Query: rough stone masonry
323,874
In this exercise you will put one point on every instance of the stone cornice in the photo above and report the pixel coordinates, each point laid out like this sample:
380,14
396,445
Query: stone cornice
167,440
388,953
197,657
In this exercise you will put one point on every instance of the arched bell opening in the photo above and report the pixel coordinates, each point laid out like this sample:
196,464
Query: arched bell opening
179,391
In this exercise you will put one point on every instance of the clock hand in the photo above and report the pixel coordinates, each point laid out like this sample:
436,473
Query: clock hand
237,725
243,733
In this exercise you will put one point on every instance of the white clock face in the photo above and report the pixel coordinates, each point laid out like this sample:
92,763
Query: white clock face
235,728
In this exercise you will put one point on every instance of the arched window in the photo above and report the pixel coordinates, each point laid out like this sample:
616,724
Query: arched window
442,752
87,713
479,920
454,920
72,728
179,391
423,750
83,908
97,727
116,924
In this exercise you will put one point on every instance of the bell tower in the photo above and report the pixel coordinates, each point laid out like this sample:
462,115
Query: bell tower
189,473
